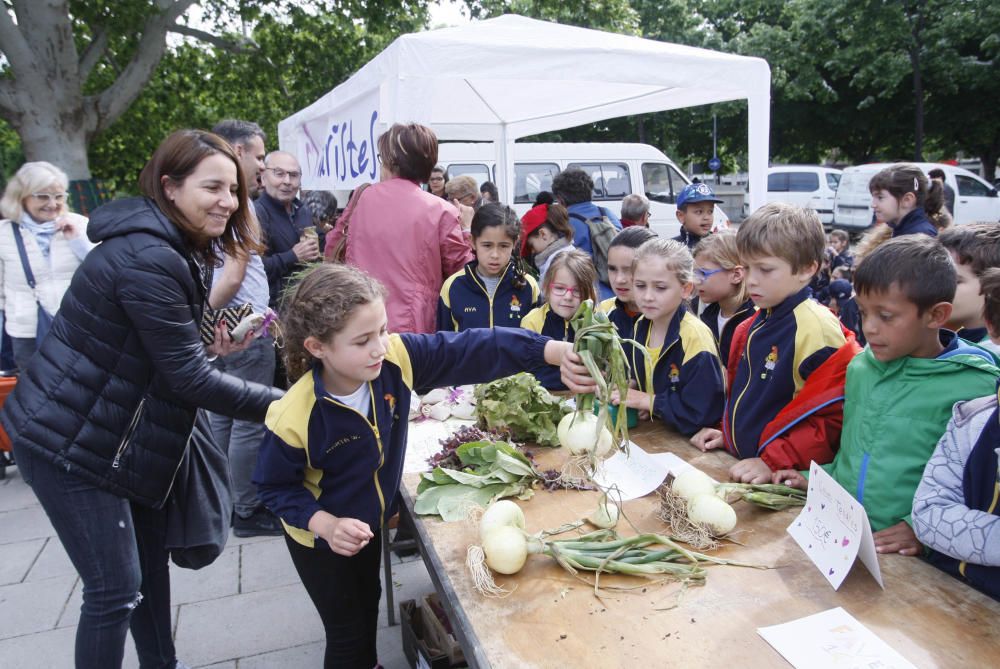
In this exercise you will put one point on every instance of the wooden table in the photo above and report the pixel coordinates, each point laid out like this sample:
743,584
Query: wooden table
554,620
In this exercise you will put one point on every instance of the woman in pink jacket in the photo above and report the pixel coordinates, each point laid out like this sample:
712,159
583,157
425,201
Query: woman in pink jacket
402,235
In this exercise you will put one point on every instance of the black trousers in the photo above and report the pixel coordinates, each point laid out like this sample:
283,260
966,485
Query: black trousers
346,593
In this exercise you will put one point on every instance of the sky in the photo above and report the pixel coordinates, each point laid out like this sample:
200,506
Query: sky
448,13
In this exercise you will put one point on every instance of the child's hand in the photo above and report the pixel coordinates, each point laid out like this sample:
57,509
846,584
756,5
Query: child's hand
898,539
707,438
636,399
791,478
751,470
346,536
573,372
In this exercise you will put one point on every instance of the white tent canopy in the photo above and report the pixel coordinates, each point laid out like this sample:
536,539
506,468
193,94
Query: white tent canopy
510,77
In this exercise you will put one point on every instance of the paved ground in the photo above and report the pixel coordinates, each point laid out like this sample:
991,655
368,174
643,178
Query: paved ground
246,611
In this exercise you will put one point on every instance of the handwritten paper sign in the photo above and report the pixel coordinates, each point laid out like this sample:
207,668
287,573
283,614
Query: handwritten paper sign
833,530
832,639
638,473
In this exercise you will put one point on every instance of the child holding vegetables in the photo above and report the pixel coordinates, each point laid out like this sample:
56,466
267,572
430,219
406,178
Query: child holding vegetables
492,290
332,458
681,381
622,309
902,387
570,280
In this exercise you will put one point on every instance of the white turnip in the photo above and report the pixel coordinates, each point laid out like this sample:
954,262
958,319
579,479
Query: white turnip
501,513
584,434
709,510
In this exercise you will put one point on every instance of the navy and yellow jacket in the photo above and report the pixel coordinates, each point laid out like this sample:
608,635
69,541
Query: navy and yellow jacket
319,454
785,344
687,379
465,302
547,322
619,315
710,317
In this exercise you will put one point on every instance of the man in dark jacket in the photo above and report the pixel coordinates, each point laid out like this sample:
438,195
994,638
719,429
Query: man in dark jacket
283,220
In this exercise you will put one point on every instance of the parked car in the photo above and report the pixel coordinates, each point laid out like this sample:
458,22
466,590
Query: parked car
617,169
809,186
975,199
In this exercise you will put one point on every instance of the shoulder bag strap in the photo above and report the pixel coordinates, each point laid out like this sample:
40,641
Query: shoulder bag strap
340,252
16,229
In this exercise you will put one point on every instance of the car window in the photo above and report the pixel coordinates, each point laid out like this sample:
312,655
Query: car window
777,182
656,182
803,182
532,178
970,187
477,171
832,180
611,180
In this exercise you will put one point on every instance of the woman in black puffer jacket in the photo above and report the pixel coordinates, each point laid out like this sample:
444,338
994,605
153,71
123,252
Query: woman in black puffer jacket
100,419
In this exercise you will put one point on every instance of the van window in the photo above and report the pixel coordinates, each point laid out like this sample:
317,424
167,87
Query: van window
477,171
611,180
661,182
803,182
777,183
532,178
970,187
832,180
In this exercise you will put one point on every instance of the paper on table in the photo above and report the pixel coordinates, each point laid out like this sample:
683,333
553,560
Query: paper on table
833,529
832,639
631,476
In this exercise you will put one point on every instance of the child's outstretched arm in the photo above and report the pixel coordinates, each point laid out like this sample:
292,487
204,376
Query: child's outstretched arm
477,355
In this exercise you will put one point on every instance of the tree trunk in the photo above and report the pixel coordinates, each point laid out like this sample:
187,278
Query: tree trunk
640,124
916,30
44,136
989,158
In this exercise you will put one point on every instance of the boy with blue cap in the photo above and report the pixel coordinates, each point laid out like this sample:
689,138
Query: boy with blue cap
696,212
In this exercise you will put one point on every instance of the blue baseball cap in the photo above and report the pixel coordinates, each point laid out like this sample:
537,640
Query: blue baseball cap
840,290
699,192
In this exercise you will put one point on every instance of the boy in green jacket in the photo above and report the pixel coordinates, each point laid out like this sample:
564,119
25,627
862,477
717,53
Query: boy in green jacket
900,390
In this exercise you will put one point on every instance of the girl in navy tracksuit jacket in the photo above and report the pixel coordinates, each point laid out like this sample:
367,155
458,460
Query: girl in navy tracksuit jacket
721,282
331,460
681,382
570,280
621,309
492,290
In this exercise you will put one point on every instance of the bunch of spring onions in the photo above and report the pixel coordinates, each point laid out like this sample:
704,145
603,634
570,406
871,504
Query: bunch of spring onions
600,349
774,496
506,546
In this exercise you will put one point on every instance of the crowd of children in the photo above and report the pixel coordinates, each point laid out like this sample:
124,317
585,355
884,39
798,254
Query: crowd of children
864,385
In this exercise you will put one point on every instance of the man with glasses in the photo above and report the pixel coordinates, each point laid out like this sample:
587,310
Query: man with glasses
284,222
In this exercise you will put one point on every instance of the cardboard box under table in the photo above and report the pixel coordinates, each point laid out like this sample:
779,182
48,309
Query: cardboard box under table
552,619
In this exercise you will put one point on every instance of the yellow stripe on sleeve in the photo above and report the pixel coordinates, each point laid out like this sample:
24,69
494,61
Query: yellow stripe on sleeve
696,337
535,320
399,356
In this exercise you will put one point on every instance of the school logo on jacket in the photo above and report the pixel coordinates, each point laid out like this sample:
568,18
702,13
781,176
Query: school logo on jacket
515,304
675,375
390,400
769,363
343,441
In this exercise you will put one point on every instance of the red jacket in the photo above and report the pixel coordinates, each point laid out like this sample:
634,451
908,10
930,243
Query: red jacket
809,426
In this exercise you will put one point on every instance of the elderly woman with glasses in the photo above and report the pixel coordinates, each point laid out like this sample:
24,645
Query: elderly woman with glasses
41,245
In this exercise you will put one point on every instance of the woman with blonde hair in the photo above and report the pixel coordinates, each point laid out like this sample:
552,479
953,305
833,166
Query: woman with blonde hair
41,245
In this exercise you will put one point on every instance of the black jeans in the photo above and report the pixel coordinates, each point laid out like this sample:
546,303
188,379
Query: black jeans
118,550
346,592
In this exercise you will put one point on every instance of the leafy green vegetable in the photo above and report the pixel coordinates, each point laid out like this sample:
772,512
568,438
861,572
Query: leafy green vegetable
522,406
491,470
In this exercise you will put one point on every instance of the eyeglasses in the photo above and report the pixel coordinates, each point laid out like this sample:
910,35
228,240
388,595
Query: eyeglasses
436,179
280,174
561,289
50,197
703,275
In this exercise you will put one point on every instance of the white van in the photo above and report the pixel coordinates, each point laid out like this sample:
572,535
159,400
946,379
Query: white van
975,199
808,186
617,170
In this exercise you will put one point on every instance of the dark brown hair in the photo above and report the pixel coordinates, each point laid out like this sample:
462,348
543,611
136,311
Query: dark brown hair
976,245
176,158
989,288
557,221
409,151
919,266
903,178
318,303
